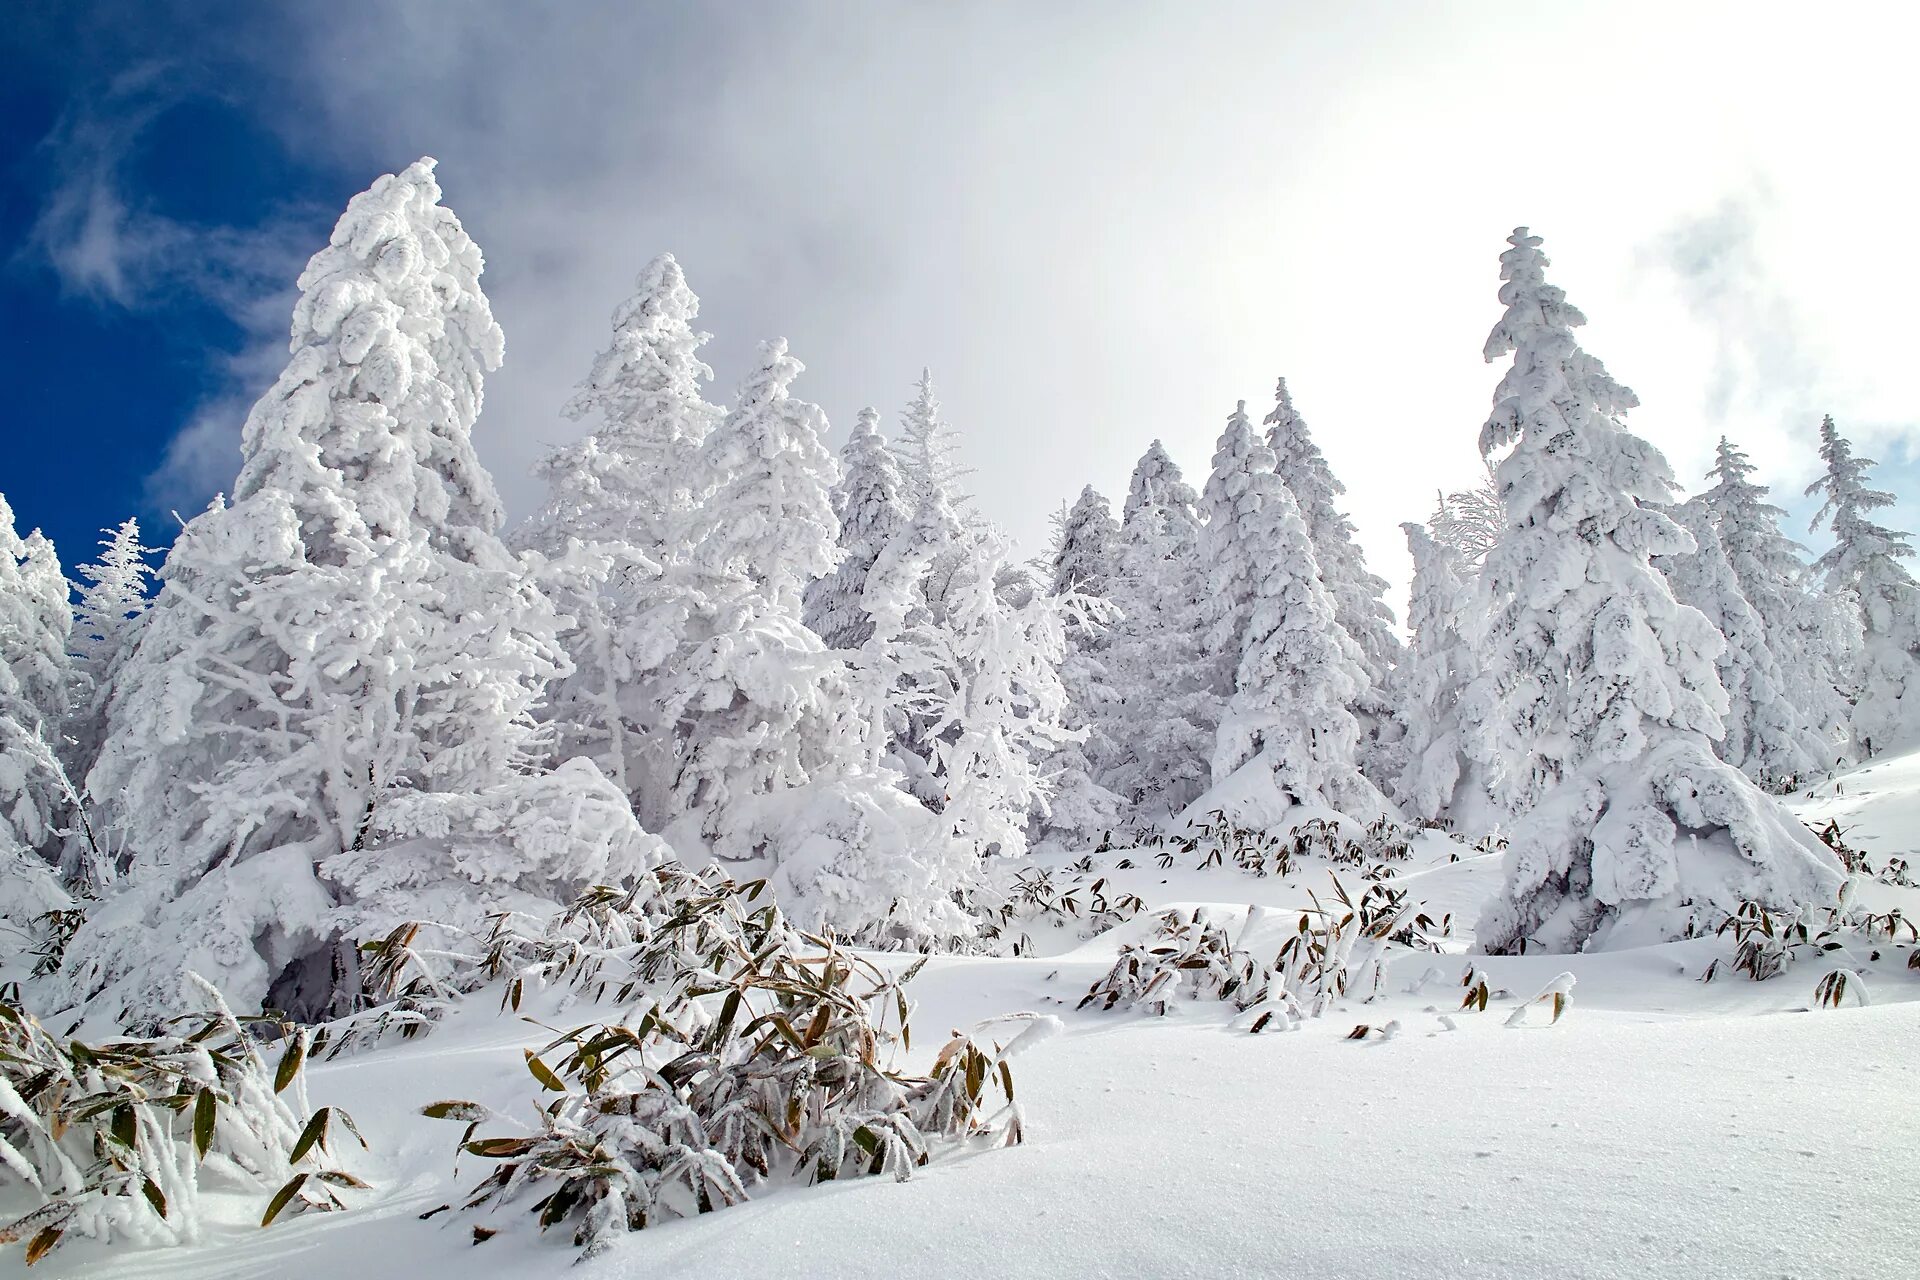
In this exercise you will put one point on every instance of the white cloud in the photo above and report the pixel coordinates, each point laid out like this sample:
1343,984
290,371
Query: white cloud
1105,223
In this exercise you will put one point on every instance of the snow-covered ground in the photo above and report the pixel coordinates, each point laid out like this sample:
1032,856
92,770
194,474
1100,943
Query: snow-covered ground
1663,1127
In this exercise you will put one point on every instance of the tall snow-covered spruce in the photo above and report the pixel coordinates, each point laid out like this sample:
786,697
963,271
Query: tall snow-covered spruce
1428,682
1080,811
1359,596
1598,700
1295,671
1867,561
617,514
1808,631
1162,718
106,623
326,726
870,501
1765,735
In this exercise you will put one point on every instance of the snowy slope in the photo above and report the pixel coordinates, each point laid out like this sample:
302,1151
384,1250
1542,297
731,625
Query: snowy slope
1664,1127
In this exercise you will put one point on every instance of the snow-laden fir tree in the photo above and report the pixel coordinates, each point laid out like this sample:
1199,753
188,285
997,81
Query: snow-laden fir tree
769,512
929,451
324,728
1805,628
1161,721
35,797
1080,811
1083,563
106,624
1439,662
1005,712
774,751
617,509
752,692
632,479
1765,735
1597,702
1359,596
1866,560
1297,672
870,501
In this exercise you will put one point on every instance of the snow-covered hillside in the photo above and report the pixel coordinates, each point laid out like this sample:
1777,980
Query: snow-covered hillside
1662,1127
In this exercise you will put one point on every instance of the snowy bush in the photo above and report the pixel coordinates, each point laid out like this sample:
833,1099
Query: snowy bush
1187,954
1335,951
1767,941
116,1139
749,1052
1033,895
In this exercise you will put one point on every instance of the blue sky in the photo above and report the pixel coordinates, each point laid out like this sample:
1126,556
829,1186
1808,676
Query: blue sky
124,314
1098,223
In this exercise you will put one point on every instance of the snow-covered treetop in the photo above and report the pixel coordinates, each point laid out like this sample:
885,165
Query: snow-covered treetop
1551,375
1084,562
770,515
870,497
870,502
1865,553
648,379
114,597
929,448
1157,482
1748,525
391,340
630,481
1358,595
1296,456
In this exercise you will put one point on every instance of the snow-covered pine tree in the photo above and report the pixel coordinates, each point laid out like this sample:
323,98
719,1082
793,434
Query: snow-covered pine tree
617,508
1298,672
1163,716
106,624
632,479
1157,482
1080,811
1231,573
756,699
1799,622
35,798
333,689
1765,735
1084,562
1005,713
1359,596
1597,701
871,504
929,452
769,514
1438,664
1866,560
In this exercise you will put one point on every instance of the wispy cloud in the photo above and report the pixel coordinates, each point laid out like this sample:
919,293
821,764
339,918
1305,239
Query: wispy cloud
106,243
1765,359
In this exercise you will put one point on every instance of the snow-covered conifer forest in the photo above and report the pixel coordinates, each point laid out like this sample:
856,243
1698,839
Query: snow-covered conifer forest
389,886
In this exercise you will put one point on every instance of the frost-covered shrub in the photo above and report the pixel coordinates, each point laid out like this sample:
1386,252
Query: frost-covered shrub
1035,895
1188,953
1337,950
116,1138
749,1052
1768,941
